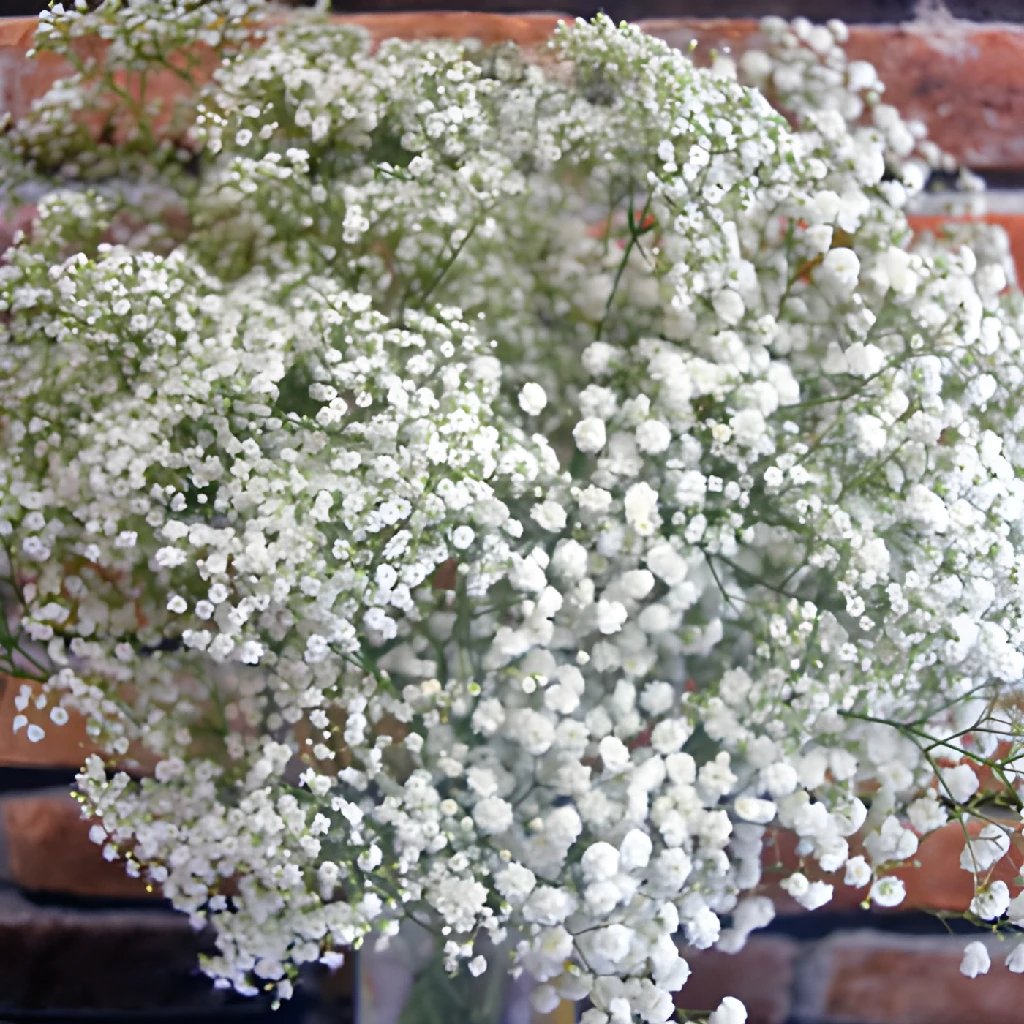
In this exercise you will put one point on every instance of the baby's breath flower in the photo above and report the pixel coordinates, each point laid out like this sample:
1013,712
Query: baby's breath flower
504,489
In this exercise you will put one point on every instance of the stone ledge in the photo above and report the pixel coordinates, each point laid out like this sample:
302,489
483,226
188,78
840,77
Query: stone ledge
110,959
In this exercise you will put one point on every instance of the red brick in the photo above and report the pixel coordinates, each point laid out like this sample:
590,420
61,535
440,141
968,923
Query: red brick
23,80
761,975
940,883
19,219
934,879
48,850
965,81
874,978
1011,223
528,30
63,746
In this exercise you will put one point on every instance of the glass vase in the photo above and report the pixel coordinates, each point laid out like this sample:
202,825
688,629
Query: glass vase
403,981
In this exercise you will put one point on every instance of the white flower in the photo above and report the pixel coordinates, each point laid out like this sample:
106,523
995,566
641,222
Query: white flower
960,782
858,872
669,735
515,883
990,845
816,895
549,515
871,434
600,862
548,906
991,901
728,305
975,960
666,563
607,947
641,507
753,809
653,436
894,271
1015,959
1015,911
534,730
614,754
635,849
492,815
796,496
780,779
611,616
590,435
459,901
569,560
888,892
703,928
864,359
730,1011
838,272
532,399
462,537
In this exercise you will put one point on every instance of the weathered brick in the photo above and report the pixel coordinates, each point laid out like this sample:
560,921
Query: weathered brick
869,977
48,850
761,975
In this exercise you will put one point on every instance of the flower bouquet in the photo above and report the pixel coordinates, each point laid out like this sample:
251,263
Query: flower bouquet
506,492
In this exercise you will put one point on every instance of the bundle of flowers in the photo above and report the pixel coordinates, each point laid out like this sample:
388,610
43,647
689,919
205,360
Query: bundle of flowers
506,493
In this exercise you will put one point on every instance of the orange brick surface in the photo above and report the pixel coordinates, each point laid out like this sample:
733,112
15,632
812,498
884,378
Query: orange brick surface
64,746
49,850
965,81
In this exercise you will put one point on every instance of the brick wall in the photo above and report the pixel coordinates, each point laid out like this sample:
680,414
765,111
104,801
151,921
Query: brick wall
76,934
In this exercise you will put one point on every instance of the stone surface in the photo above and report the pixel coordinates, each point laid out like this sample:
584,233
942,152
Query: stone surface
48,850
57,957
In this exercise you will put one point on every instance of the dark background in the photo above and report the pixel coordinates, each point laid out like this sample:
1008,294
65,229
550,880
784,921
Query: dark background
848,10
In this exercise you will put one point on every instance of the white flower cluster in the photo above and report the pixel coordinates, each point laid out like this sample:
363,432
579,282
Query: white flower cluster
509,495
